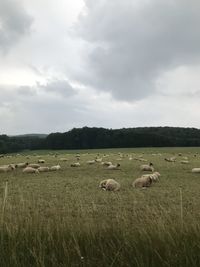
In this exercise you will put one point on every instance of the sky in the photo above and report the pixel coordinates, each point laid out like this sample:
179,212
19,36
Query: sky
105,63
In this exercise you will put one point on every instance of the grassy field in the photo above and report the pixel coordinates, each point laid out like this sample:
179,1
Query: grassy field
63,219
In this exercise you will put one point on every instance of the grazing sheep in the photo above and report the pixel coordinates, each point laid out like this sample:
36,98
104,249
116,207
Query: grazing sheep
30,170
22,165
109,185
34,165
196,170
7,168
76,164
55,168
147,167
41,161
144,181
43,169
113,167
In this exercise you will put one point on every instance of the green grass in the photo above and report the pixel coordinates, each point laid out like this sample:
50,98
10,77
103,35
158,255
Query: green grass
63,219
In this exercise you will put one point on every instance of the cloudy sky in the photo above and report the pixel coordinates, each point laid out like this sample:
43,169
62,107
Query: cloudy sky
106,63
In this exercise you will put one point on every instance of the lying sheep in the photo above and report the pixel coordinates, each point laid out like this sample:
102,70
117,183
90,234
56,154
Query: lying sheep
43,169
41,161
55,168
147,167
114,167
98,159
63,159
109,185
154,176
30,170
144,181
184,162
22,165
106,163
196,170
90,162
76,164
172,159
34,165
7,168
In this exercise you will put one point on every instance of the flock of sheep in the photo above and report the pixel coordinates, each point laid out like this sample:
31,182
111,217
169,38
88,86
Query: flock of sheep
146,180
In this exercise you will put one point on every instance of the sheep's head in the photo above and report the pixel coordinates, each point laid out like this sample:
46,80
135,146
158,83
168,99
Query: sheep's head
103,184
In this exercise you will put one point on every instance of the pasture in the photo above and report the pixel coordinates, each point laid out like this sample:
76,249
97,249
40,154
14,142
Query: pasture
63,218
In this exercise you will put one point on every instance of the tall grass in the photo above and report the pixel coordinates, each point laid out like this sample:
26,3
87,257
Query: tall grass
63,219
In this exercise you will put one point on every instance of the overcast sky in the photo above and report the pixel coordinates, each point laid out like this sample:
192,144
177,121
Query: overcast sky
103,63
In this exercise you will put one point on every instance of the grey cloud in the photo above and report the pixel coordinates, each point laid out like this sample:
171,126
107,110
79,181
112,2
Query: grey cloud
133,44
14,23
59,87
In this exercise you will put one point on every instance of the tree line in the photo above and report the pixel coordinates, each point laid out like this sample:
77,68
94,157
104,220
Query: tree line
90,138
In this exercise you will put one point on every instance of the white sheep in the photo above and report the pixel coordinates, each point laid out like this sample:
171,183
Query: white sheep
113,167
184,162
144,181
34,165
55,168
196,170
106,163
147,167
90,162
43,169
76,164
98,159
154,176
172,159
63,159
109,185
41,161
22,165
7,168
30,170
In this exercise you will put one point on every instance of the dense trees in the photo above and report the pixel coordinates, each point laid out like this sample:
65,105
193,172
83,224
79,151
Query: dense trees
88,138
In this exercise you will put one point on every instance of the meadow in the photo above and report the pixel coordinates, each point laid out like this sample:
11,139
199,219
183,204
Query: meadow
63,218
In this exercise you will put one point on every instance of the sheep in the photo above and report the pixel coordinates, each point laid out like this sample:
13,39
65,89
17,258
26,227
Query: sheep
55,168
43,169
30,170
106,163
184,161
98,159
41,161
147,167
63,159
196,170
109,185
22,165
154,176
113,167
34,165
172,159
7,168
90,162
76,164
144,181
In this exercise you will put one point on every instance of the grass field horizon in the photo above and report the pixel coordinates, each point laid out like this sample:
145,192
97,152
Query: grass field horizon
63,219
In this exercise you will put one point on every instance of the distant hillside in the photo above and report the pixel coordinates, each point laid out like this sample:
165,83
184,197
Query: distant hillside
31,135
89,138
